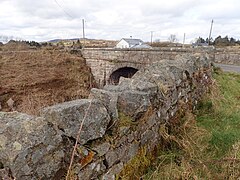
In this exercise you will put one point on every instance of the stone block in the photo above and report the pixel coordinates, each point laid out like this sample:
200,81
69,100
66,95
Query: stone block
133,103
131,152
147,136
68,117
101,149
123,153
91,171
116,169
30,146
109,100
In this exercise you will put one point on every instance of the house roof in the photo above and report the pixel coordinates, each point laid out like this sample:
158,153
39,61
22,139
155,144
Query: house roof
142,46
133,42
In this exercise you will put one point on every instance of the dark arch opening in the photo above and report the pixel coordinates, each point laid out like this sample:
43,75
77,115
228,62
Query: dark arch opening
126,72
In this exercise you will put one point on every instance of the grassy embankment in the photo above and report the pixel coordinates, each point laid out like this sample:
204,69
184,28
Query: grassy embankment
210,147
206,145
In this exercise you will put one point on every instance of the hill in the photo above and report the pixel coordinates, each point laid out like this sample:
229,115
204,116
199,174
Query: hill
90,43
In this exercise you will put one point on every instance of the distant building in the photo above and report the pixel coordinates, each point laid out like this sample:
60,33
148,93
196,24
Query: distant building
199,44
131,43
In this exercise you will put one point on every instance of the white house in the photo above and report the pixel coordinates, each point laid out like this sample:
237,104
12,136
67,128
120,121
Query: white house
131,43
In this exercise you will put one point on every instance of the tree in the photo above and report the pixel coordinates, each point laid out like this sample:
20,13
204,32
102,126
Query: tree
200,40
207,41
77,45
238,42
232,41
219,41
172,38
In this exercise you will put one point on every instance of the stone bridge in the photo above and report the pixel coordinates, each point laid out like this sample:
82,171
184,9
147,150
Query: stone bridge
108,65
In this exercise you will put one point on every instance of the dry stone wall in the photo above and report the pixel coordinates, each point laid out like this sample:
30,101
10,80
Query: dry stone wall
120,121
227,56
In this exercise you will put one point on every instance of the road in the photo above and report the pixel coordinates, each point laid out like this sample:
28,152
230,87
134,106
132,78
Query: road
229,68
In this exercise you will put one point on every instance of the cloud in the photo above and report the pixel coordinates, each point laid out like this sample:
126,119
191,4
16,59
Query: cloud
112,19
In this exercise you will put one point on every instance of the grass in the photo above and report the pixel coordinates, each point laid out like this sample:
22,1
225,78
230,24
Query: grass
206,145
220,113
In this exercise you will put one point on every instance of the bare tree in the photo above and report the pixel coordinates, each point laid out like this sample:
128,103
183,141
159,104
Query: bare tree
6,39
173,38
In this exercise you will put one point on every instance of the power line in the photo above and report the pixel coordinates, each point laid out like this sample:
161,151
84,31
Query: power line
63,9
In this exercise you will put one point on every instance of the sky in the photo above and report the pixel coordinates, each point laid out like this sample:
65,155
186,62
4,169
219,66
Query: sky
43,20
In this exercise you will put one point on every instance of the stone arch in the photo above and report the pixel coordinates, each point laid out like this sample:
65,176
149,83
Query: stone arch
126,72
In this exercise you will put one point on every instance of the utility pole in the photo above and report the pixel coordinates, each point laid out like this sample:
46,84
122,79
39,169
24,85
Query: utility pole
83,33
210,34
184,36
151,37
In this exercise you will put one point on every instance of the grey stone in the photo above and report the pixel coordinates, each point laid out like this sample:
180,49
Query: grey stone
91,171
112,172
133,103
24,142
114,155
68,117
116,88
10,104
122,141
227,57
153,119
132,150
123,130
102,149
130,137
138,85
157,74
147,136
123,153
109,100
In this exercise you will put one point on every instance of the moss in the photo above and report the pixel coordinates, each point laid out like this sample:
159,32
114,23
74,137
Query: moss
125,120
137,166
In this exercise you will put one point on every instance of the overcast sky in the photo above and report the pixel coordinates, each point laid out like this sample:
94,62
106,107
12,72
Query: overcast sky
42,20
